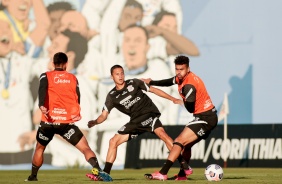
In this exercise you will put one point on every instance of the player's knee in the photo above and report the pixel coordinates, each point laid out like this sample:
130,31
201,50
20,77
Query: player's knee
113,142
178,144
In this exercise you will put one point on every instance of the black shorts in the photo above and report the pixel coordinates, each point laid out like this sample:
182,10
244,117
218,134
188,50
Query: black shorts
145,123
203,123
46,132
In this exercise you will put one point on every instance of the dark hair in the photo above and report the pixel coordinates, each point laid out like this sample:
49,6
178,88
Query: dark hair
114,67
180,60
141,27
160,15
1,6
60,58
77,44
134,4
59,6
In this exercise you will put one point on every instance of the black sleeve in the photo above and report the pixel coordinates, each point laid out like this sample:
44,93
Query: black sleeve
42,90
142,85
77,91
189,91
108,106
164,82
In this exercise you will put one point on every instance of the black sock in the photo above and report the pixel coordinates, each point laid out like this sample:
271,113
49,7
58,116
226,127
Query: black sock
108,167
34,170
183,163
180,158
166,167
181,172
94,163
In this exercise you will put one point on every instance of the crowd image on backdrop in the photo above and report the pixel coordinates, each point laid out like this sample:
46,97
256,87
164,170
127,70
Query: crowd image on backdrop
142,36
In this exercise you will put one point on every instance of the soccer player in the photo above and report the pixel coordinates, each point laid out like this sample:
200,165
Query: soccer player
128,97
59,99
197,101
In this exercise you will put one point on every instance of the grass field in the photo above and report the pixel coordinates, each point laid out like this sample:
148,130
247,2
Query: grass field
231,175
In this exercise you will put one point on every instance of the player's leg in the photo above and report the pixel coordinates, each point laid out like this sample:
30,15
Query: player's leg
160,132
96,173
74,136
186,136
114,142
89,155
44,136
197,129
185,170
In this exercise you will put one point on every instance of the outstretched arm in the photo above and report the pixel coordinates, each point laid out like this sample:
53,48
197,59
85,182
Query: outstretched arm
165,95
164,82
103,116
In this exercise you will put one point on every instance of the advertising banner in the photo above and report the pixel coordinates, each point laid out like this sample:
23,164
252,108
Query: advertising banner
246,146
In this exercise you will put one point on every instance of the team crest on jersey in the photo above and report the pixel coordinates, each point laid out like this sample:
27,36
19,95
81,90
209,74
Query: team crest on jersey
130,88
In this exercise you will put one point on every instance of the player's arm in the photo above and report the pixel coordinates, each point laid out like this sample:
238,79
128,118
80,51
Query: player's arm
189,91
163,94
108,106
77,91
103,116
42,91
164,82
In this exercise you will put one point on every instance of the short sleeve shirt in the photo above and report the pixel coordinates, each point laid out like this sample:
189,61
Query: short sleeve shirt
131,100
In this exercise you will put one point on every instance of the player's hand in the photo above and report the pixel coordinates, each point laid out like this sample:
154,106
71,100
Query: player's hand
44,111
92,123
147,81
178,101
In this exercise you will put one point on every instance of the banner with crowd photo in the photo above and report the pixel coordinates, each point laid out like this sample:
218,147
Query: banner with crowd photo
246,146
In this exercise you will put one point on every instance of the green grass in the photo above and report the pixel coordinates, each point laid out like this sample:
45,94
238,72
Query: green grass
231,175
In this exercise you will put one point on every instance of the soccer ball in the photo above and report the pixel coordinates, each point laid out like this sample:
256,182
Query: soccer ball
214,172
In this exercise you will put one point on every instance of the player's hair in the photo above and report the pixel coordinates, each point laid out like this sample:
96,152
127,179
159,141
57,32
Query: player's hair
141,27
114,67
60,58
59,6
160,15
1,6
77,44
134,4
180,60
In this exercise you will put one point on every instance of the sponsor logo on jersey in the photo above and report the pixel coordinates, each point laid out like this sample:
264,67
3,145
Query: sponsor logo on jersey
130,88
58,80
124,92
70,133
59,111
207,104
125,99
127,104
58,118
